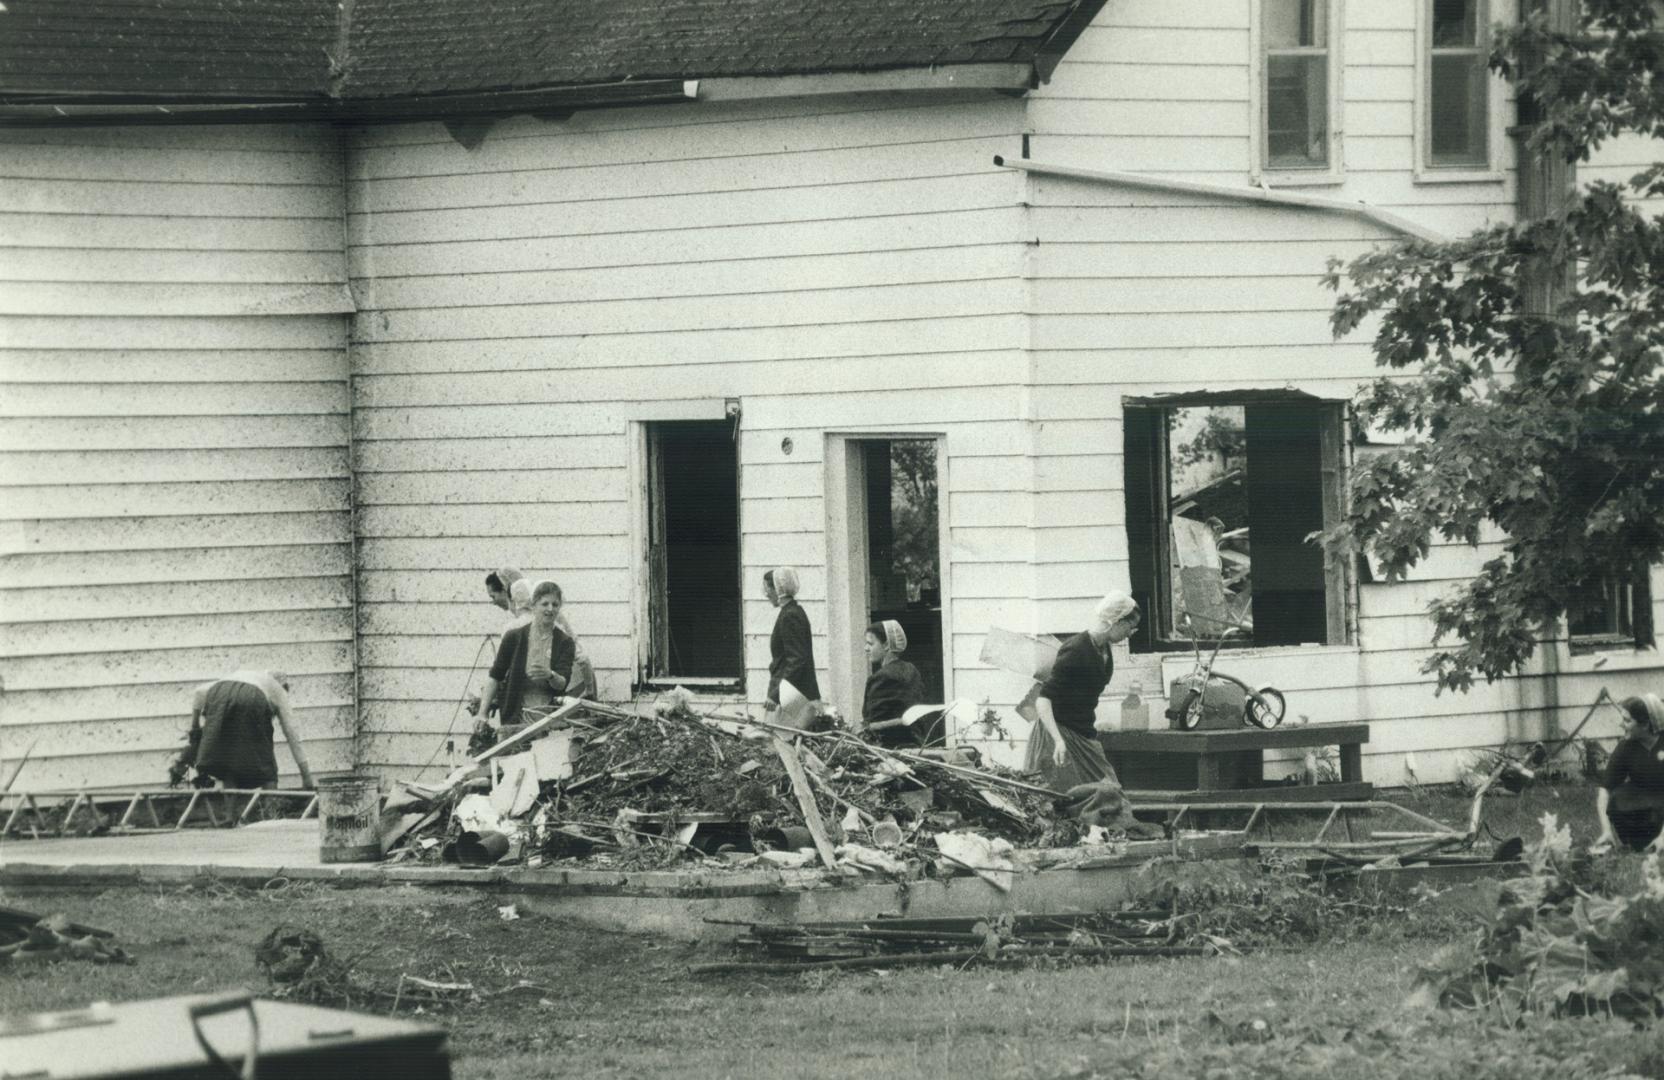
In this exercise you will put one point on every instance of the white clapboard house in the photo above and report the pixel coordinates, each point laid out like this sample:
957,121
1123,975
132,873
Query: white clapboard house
311,314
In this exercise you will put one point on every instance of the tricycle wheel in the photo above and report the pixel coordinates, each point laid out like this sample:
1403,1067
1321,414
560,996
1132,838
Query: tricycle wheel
1264,707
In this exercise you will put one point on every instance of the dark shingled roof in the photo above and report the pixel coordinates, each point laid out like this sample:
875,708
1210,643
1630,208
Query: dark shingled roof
209,50
246,50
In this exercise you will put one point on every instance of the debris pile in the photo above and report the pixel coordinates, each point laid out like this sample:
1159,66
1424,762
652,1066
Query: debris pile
27,937
1008,938
637,790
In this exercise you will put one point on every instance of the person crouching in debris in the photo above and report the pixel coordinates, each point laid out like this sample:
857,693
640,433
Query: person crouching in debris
893,687
533,664
1630,800
1064,747
792,688
231,729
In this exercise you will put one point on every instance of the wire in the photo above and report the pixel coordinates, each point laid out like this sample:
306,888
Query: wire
489,642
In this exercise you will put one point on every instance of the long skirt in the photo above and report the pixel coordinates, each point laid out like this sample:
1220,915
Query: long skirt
237,736
1086,763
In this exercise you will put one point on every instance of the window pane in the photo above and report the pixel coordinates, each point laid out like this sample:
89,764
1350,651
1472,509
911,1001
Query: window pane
1297,111
1290,24
1455,23
1457,110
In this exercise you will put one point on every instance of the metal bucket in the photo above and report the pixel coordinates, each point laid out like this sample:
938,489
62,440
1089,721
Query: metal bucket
349,819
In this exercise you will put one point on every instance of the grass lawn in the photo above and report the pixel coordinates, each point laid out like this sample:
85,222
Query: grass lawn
621,1005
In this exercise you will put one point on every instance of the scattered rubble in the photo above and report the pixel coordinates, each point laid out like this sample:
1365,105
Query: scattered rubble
884,943
608,787
27,937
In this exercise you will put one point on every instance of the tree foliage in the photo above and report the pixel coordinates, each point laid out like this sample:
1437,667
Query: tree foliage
1548,424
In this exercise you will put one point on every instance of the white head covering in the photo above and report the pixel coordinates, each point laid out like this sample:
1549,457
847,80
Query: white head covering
785,580
1115,606
520,593
895,637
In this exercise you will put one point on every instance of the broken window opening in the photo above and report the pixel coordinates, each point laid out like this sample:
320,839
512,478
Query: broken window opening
1621,618
1221,498
693,552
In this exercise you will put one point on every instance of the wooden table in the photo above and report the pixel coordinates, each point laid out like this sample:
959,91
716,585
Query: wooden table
1205,766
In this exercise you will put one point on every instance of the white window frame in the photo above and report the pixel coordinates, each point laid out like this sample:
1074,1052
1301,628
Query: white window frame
1293,176
1496,139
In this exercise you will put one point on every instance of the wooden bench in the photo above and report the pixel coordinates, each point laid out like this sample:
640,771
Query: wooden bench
1204,766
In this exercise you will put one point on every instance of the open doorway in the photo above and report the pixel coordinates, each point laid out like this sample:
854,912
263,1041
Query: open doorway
885,550
693,553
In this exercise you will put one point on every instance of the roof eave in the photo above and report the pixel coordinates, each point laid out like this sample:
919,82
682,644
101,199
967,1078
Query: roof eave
30,111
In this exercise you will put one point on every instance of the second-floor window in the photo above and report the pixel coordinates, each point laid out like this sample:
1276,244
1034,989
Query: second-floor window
1457,90
1294,35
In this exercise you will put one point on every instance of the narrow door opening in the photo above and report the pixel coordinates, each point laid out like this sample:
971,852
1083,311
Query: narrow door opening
693,553
903,548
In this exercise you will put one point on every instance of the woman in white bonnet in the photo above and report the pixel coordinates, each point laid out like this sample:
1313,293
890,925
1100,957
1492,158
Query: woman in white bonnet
1063,746
894,685
791,646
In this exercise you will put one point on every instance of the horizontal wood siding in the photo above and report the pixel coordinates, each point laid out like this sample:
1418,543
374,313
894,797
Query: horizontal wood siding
1167,89
849,264
173,441
1127,302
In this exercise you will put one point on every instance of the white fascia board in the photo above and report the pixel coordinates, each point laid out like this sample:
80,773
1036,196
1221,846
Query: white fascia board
988,77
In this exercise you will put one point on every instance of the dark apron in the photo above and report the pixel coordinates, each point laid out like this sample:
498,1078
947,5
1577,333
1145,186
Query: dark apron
237,736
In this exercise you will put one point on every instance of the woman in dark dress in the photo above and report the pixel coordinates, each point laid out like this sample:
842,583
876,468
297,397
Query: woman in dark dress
791,651
534,661
1064,746
893,687
1630,800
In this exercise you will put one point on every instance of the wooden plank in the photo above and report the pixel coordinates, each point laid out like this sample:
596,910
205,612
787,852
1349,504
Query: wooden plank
105,299
444,287
604,553
1153,257
136,332
177,366
813,307
967,333
170,466
1290,292
170,700
231,267
466,454
1079,77
139,735
187,165
1113,116
486,519
162,232
1071,210
206,399
79,569
104,501
135,667
805,800
172,433
604,381
221,201
112,635
740,227
191,531
1202,45
193,597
